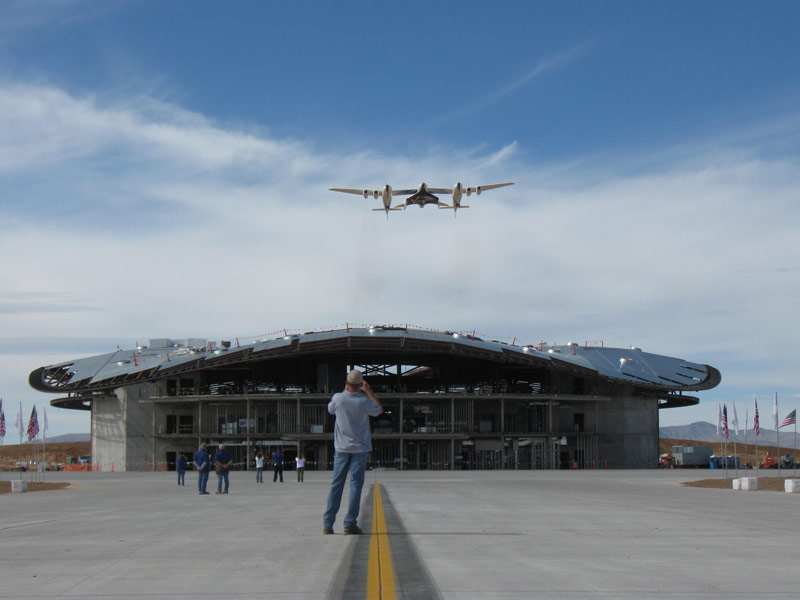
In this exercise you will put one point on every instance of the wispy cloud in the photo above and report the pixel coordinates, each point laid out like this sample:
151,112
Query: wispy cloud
544,67
172,225
19,17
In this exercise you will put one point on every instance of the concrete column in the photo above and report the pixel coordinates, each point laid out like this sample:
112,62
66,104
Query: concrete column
247,447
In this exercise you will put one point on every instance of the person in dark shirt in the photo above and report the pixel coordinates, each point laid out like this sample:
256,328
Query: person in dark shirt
180,467
277,466
222,463
202,462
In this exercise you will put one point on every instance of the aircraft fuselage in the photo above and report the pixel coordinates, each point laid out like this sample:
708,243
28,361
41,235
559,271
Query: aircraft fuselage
422,197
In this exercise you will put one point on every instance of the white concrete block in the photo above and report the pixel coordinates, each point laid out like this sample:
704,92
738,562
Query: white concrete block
792,486
19,486
749,483
737,484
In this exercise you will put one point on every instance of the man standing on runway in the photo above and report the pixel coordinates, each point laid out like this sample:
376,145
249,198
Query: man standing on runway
352,442
202,462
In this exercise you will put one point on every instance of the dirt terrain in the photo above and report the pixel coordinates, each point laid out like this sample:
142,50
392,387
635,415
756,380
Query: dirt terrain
746,452
35,486
53,453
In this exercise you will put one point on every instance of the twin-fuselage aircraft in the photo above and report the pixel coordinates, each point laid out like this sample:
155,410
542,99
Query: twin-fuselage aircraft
422,196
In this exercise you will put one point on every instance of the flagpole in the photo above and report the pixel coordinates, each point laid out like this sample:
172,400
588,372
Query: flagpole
758,431
778,435
44,443
746,447
2,438
20,425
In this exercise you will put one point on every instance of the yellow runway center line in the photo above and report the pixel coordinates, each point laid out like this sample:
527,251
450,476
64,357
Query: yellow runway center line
380,574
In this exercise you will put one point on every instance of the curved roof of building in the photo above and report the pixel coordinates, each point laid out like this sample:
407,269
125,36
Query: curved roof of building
165,358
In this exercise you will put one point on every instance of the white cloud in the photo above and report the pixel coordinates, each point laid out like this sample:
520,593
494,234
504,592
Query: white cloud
545,66
145,220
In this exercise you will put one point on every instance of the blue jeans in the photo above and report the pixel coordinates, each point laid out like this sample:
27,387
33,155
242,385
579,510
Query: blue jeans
260,475
343,462
220,477
202,481
181,477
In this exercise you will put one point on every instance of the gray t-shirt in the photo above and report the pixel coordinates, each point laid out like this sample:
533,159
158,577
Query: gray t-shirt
351,432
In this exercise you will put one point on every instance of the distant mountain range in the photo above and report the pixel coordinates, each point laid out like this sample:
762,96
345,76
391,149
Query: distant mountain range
67,437
703,431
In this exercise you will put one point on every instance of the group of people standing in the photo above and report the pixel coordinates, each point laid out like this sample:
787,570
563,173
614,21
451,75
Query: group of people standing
352,444
277,466
222,462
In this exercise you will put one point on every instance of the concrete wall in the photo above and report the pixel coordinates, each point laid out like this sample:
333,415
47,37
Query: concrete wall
122,429
139,419
108,433
628,428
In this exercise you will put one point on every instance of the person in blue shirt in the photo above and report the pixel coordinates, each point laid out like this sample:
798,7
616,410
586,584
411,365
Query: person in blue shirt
277,466
352,444
180,467
202,462
222,464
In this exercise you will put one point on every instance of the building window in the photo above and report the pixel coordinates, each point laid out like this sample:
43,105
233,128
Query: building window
577,419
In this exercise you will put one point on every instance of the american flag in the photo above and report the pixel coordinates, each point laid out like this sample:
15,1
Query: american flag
725,420
790,419
755,419
33,425
2,423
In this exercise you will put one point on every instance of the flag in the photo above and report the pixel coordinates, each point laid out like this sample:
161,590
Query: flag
33,425
775,411
790,419
719,417
20,423
755,418
735,419
2,423
725,420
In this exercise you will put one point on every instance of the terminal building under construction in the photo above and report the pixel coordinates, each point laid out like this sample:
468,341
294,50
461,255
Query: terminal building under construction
451,401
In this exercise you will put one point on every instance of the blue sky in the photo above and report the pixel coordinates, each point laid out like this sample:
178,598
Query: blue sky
164,171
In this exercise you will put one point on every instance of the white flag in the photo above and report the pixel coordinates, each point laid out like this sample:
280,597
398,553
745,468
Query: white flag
735,419
719,417
775,411
21,423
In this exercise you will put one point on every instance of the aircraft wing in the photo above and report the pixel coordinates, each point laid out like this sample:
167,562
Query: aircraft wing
359,192
404,192
440,190
492,186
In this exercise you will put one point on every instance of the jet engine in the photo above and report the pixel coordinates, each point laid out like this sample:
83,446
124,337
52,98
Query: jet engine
477,190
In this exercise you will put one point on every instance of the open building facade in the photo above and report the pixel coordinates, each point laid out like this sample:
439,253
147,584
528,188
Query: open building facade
451,401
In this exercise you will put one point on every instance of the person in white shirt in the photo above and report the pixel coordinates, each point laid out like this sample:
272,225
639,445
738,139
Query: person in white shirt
300,464
259,468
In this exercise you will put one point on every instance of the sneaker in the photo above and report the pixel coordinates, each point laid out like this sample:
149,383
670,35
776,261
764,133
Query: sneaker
204,493
225,492
327,530
217,492
353,530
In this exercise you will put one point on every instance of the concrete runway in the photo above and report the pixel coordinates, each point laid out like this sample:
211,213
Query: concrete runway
453,535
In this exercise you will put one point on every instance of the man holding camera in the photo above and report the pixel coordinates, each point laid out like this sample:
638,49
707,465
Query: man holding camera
352,442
